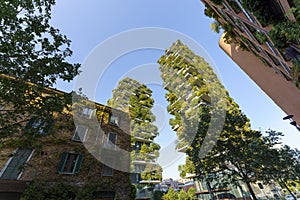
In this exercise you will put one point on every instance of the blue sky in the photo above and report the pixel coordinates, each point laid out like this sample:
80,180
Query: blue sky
90,23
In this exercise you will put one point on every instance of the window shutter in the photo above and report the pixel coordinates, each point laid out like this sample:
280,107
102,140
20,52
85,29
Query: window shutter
62,162
78,163
13,170
48,127
29,123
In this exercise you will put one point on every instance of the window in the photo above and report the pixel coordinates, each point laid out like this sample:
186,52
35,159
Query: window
114,120
87,112
107,171
111,140
38,125
80,133
70,163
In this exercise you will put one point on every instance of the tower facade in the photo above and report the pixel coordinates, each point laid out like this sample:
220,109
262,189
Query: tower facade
135,98
262,37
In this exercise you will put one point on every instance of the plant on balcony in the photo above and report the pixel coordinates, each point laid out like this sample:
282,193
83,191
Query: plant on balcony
152,172
217,2
295,73
285,33
234,6
215,26
265,11
295,4
229,36
243,44
208,11
261,37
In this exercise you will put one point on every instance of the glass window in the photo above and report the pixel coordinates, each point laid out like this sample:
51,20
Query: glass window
87,112
112,138
107,171
70,163
80,133
114,120
38,125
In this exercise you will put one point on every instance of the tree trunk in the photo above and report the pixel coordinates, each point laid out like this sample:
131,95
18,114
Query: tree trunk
288,189
251,191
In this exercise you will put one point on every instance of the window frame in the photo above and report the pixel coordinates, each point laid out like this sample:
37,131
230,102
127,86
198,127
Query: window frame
106,169
89,112
108,143
64,159
75,133
114,120
42,128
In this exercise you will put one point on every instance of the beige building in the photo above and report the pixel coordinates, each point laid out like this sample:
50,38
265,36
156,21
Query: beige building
284,93
254,40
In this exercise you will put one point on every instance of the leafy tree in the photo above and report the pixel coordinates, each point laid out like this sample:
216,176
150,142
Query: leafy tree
152,172
191,193
170,195
182,195
32,57
280,163
158,195
236,155
215,26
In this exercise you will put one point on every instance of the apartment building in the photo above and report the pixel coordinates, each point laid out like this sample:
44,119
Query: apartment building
262,37
73,156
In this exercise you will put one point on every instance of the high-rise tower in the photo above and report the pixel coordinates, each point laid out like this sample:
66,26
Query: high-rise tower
135,98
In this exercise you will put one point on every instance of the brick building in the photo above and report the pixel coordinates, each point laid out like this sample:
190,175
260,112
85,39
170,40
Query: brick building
67,158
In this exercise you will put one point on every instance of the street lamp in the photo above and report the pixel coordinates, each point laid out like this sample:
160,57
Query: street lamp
294,123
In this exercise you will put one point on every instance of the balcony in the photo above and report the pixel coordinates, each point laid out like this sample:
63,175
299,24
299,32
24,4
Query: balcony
182,149
144,161
142,139
176,127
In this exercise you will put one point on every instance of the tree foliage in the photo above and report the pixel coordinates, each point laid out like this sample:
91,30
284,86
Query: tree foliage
180,195
32,57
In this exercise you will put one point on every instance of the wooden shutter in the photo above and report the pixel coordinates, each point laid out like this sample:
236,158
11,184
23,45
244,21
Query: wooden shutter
13,170
62,162
78,163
